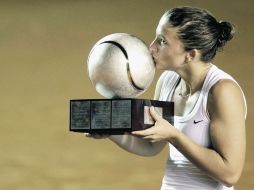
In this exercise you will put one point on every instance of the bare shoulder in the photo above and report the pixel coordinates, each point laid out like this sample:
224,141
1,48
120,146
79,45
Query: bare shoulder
226,95
224,86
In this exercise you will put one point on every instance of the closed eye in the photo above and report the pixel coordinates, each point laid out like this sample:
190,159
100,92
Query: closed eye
162,42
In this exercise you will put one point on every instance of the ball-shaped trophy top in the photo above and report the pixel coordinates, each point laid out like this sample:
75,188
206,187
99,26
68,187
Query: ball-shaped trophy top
120,66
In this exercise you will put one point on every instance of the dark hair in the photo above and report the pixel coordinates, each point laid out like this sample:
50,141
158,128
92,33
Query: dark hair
198,29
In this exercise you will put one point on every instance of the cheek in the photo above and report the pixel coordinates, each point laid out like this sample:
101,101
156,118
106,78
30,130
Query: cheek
170,59
176,55
164,54
164,60
167,57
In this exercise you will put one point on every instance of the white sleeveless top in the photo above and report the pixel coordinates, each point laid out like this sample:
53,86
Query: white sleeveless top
180,173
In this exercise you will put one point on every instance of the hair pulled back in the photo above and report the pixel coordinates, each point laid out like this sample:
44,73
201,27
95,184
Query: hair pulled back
198,29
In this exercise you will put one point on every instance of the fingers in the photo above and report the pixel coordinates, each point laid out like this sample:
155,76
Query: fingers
87,134
155,114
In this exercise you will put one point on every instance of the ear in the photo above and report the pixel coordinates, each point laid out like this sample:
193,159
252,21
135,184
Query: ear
191,55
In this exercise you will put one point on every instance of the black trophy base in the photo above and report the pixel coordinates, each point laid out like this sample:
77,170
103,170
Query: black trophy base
116,116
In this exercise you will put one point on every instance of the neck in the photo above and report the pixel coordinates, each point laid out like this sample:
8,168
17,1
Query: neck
194,75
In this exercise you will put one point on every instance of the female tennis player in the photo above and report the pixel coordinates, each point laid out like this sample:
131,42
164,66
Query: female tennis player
207,142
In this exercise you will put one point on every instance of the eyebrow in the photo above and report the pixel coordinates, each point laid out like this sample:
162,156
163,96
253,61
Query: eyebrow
162,36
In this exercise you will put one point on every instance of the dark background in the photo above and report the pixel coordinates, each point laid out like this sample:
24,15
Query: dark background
43,51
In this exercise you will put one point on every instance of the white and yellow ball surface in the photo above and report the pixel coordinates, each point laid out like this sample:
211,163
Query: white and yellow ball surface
120,66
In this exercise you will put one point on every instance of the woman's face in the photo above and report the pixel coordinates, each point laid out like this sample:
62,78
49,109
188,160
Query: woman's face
167,50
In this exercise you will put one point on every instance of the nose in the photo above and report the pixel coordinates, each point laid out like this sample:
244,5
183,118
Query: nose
152,47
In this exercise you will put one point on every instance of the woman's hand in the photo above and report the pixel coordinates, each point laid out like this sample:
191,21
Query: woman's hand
161,131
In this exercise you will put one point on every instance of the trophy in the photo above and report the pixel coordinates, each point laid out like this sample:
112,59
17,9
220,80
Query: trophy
121,68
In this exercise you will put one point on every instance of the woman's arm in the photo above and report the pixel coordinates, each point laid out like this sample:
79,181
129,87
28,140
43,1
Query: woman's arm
137,145
227,109
224,162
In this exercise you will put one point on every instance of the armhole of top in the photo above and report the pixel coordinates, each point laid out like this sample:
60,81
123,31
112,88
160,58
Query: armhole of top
205,111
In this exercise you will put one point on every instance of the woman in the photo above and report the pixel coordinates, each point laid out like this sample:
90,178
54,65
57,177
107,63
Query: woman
207,141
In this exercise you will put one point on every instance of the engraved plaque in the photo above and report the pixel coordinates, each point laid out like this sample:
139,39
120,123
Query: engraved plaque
121,114
80,115
100,114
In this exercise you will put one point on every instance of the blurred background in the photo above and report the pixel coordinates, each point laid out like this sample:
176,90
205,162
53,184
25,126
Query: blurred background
43,50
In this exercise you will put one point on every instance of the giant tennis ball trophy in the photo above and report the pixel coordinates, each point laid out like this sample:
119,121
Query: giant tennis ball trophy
121,68
120,65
